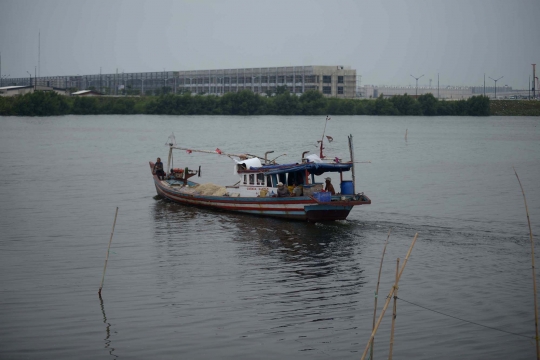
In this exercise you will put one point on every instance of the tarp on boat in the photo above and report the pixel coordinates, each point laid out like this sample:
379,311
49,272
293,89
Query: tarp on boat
312,168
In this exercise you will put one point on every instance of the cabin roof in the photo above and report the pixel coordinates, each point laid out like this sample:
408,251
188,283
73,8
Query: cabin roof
312,168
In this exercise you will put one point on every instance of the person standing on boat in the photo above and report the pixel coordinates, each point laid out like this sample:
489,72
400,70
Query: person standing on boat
282,191
158,169
329,187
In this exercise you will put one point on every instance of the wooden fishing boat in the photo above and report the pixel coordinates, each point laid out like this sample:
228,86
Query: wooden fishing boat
256,191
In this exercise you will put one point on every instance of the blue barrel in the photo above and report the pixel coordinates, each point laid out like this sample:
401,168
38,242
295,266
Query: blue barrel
347,187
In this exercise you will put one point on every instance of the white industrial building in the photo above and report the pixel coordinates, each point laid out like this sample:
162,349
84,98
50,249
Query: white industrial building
333,81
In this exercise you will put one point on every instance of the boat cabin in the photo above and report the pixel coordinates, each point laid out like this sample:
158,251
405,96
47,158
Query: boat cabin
261,180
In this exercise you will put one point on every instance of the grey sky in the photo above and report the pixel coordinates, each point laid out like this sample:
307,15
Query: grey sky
385,41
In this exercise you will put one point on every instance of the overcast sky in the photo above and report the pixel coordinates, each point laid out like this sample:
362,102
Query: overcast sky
385,41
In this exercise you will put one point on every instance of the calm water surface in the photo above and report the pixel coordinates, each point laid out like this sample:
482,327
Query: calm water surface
197,284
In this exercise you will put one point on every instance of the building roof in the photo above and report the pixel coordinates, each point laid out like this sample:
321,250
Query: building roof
15,87
83,92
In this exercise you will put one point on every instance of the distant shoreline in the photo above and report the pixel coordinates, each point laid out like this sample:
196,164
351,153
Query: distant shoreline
248,103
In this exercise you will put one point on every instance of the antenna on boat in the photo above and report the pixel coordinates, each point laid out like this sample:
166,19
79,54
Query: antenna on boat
171,142
322,138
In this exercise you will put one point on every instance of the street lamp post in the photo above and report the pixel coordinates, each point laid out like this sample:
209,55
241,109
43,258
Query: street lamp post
496,85
30,77
417,83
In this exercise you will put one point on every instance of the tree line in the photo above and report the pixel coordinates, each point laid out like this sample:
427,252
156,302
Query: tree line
242,103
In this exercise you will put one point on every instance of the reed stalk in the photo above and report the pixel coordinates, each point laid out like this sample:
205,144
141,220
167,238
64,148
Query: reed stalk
388,298
107,256
394,315
377,293
533,270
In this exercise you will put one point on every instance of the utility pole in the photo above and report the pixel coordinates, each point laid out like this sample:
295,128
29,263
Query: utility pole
534,81
437,85
416,84
496,85
484,84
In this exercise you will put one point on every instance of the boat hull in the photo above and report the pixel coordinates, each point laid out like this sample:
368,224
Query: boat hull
301,208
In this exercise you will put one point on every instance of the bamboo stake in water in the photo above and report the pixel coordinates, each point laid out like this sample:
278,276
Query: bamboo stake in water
394,315
377,293
533,270
406,134
107,257
388,298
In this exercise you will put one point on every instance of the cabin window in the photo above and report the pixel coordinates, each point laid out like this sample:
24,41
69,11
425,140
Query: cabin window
252,179
245,179
260,179
269,181
274,180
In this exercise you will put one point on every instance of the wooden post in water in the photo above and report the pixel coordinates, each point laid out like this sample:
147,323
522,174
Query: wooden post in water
388,298
406,134
394,315
377,293
533,270
107,256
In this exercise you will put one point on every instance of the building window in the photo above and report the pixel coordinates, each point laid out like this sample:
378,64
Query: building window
327,79
340,90
327,90
281,79
340,79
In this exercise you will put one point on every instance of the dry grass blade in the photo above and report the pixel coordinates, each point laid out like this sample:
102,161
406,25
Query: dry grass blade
533,270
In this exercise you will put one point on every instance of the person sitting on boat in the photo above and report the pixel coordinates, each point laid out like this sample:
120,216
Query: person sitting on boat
282,191
158,169
329,187
297,190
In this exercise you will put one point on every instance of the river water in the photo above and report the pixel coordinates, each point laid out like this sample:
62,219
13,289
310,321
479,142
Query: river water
190,283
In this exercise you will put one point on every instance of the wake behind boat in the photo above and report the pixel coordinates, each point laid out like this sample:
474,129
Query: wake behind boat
290,191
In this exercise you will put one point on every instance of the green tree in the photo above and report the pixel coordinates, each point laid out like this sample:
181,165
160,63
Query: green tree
85,105
313,103
478,106
428,104
286,104
282,90
384,107
406,105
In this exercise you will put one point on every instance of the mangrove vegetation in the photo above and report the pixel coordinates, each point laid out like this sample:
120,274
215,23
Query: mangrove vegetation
241,103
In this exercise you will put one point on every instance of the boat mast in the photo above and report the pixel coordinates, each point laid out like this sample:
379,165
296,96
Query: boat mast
170,158
322,138
351,151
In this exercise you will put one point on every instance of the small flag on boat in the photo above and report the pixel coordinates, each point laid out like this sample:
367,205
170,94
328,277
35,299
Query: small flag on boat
337,160
328,118
189,151
218,151
330,139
